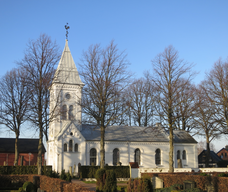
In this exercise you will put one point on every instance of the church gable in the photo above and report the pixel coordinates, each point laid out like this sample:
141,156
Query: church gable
70,129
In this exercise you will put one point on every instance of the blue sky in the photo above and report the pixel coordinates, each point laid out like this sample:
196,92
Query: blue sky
197,29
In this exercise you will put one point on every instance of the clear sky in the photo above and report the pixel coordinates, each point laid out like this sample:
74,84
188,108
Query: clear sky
197,29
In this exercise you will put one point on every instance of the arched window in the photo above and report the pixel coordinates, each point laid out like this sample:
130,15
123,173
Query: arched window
70,145
184,155
65,147
93,156
76,147
116,156
178,154
64,112
158,157
71,116
137,156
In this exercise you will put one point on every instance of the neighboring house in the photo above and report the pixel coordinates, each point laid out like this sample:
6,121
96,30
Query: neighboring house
214,159
223,153
71,142
28,148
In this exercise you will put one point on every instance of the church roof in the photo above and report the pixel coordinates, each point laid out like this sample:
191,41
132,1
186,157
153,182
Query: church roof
134,134
67,72
7,145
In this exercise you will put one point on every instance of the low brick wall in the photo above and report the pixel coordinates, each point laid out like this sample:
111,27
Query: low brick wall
45,183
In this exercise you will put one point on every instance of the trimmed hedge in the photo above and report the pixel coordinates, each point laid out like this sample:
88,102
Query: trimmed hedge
90,171
222,163
23,170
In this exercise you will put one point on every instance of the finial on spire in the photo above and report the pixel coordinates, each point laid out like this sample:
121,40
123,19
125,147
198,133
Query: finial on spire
67,27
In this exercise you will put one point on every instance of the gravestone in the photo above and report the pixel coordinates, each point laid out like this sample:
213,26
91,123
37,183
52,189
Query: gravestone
210,188
71,171
179,163
22,158
40,190
74,169
189,184
79,169
157,182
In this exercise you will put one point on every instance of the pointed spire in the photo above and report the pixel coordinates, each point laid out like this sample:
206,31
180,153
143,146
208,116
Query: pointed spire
67,72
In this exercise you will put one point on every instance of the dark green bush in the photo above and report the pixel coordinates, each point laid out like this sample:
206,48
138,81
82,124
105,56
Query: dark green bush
147,184
203,174
100,177
28,187
140,185
110,181
192,190
63,175
223,175
68,177
51,173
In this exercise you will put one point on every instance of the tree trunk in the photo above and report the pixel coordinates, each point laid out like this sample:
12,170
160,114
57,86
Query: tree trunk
207,152
16,150
102,151
171,169
39,157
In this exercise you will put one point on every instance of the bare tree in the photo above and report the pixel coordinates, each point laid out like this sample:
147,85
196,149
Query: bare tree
185,113
206,120
39,61
104,72
142,94
168,70
216,89
15,96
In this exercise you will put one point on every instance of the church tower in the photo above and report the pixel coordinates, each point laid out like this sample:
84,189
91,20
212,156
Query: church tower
65,94
65,111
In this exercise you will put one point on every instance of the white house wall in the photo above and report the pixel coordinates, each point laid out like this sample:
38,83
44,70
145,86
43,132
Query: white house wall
191,155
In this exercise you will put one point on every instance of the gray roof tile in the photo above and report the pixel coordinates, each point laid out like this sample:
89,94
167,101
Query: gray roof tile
134,134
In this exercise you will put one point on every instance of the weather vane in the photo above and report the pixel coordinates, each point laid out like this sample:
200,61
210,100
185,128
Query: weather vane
67,27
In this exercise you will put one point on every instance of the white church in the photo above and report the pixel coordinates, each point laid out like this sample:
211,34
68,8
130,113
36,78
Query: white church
71,142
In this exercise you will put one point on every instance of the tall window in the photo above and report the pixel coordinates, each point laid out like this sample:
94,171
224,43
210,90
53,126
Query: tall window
178,154
65,147
158,157
71,116
93,156
184,155
70,145
116,156
137,156
76,147
64,112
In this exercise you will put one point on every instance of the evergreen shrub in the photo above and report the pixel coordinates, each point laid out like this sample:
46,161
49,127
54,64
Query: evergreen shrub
140,185
28,187
110,181
100,177
63,175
